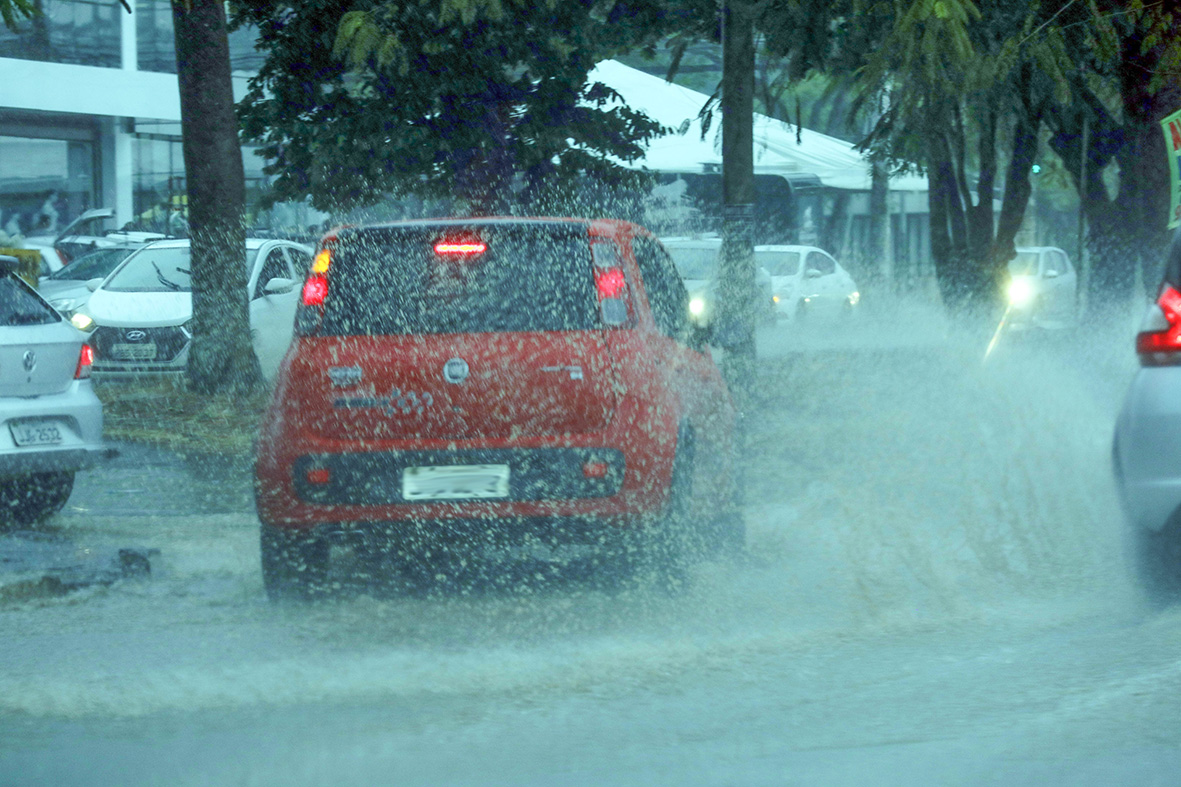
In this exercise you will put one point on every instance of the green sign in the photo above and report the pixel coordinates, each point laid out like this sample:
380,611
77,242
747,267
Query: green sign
1172,128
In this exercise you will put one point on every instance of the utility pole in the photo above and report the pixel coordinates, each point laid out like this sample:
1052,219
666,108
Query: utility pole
737,280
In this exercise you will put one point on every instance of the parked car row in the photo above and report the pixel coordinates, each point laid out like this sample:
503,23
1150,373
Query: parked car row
138,316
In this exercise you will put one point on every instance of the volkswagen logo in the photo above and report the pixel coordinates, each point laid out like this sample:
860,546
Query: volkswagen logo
455,370
135,335
30,360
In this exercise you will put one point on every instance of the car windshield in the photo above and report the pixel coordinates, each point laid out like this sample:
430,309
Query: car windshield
97,264
695,263
1024,264
392,281
780,263
162,269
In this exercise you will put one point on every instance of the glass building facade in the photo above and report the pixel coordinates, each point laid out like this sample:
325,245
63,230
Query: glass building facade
57,161
76,32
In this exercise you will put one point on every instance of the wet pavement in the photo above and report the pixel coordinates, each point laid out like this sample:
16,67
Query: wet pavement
70,554
146,481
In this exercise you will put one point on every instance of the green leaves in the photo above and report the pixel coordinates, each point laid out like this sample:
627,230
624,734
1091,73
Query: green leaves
12,10
441,97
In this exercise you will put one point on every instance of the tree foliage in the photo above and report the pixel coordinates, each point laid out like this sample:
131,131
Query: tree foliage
478,98
11,11
963,90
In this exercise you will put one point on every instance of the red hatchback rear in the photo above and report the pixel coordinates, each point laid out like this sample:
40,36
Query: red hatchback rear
463,392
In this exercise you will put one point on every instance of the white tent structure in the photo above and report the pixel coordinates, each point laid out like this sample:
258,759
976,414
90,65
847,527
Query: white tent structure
780,149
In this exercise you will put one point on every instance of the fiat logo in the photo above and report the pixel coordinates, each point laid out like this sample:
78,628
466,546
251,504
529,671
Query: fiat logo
30,360
136,336
455,370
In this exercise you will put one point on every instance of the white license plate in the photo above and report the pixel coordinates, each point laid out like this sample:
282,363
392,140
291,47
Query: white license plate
134,352
36,432
455,482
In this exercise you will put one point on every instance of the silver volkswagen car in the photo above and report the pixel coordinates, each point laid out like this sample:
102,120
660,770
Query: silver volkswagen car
1147,448
50,419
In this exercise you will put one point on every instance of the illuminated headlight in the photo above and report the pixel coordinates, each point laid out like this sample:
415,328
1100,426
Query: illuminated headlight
697,306
854,298
82,322
775,298
1020,293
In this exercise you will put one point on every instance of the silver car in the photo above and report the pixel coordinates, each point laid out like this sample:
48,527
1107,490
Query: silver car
1147,448
50,419
1043,289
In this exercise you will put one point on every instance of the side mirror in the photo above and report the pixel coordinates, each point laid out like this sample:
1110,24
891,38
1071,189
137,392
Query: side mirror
93,284
1050,275
812,273
279,286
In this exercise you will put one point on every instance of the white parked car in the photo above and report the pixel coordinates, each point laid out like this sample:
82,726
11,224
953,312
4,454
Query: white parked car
698,261
1043,288
807,281
138,316
50,420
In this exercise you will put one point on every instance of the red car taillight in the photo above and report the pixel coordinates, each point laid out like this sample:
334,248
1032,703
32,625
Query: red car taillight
85,361
1161,345
315,290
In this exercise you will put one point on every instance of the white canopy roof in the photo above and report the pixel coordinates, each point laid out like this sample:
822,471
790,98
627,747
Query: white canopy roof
835,162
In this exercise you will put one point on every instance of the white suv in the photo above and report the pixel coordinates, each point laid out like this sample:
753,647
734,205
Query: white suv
50,419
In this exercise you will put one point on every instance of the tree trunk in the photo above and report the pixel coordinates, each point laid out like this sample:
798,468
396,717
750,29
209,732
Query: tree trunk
949,228
737,280
222,357
1017,192
878,264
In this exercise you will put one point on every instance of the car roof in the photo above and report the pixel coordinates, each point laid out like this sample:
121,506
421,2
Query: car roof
788,247
692,243
180,243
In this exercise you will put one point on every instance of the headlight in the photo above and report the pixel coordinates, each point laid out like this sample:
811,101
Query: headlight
697,306
1020,293
854,298
82,322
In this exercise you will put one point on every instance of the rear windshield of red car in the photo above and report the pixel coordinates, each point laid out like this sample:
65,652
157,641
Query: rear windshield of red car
480,279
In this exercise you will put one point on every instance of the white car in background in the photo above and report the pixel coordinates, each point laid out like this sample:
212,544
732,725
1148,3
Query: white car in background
50,420
698,261
1043,288
807,281
138,317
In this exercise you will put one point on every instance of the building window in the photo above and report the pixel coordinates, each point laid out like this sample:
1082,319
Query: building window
156,47
44,183
77,32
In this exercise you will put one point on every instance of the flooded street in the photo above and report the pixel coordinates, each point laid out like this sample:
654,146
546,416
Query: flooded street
933,592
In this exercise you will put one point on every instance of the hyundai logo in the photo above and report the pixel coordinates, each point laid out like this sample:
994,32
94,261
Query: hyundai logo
135,335
30,361
455,370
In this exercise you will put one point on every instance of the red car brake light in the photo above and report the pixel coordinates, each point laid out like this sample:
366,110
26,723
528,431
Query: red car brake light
85,361
609,282
1162,347
460,247
315,291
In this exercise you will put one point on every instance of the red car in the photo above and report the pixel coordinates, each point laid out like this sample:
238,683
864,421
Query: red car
464,389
